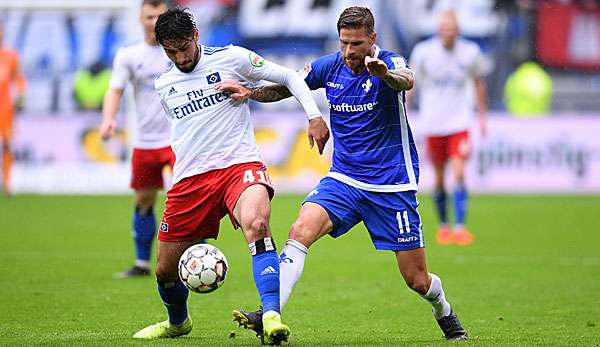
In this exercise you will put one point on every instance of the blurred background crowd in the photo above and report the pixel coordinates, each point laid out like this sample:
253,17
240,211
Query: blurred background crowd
541,57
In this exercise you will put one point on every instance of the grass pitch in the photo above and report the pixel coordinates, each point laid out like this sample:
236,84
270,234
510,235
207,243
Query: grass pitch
531,278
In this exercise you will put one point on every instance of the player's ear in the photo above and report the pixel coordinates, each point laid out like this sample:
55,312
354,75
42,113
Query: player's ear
196,35
373,38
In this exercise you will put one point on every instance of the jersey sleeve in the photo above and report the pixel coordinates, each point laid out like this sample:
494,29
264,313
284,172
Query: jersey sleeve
394,61
314,73
120,73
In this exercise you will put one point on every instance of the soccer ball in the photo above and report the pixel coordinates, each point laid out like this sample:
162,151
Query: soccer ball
202,268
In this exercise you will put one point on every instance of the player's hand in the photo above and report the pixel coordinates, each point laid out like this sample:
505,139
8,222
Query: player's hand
376,67
318,132
107,129
235,90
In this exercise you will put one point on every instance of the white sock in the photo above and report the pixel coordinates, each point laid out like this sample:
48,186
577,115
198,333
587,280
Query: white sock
142,263
437,299
291,264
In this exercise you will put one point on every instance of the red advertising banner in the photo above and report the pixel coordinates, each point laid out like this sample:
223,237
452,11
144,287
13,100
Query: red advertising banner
568,36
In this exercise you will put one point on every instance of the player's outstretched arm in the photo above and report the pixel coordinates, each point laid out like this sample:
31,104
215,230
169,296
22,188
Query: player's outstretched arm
318,132
398,79
270,93
238,92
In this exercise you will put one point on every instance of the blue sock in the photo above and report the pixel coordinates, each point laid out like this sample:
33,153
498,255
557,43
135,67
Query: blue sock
144,229
265,267
174,295
460,204
439,198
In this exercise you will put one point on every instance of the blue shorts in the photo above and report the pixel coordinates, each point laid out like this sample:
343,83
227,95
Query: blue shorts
392,219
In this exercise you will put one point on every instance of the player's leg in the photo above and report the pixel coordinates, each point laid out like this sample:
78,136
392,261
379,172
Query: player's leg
144,229
248,196
328,209
331,208
394,224
146,179
313,222
6,164
413,267
6,128
193,211
459,152
173,293
252,211
437,149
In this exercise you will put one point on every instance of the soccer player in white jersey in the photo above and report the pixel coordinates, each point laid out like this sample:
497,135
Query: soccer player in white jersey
139,64
218,170
375,169
449,74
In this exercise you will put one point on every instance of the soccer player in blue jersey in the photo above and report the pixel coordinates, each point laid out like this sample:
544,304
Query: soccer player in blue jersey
375,168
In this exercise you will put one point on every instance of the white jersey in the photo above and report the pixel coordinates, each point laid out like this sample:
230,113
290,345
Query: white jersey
445,82
209,129
140,64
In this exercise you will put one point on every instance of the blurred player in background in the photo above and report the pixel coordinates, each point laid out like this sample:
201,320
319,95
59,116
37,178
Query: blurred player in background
139,64
218,171
449,75
12,83
375,168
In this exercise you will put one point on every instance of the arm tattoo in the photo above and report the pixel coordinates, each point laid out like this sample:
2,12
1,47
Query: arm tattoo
270,93
399,79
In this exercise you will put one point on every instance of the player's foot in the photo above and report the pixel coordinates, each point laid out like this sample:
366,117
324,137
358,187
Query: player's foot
452,328
250,320
274,332
444,235
135,271
164,330
463,237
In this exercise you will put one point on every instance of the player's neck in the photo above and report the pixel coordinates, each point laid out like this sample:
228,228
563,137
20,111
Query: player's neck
150,41
448,44
358,70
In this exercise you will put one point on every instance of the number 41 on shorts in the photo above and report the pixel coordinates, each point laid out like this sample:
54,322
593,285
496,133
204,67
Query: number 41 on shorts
250,176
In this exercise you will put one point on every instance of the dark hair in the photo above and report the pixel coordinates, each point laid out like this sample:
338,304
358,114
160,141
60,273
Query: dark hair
155,3
357,17
175,24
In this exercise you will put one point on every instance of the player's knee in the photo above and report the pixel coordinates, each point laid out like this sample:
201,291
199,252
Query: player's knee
302,233
257,227
417,282
165,273
144,201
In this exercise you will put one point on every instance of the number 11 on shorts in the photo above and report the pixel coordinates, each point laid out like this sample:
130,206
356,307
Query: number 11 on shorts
403,223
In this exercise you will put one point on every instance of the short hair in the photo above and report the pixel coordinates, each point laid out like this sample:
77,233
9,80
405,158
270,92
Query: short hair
357,17
175,24
155,3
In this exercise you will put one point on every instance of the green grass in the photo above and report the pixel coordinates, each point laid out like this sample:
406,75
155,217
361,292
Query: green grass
532,278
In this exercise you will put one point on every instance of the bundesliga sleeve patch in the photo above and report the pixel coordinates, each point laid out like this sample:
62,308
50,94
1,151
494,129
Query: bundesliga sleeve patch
305,70
398,62
256,60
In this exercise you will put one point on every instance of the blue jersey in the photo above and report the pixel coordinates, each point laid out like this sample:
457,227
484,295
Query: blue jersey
373,146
